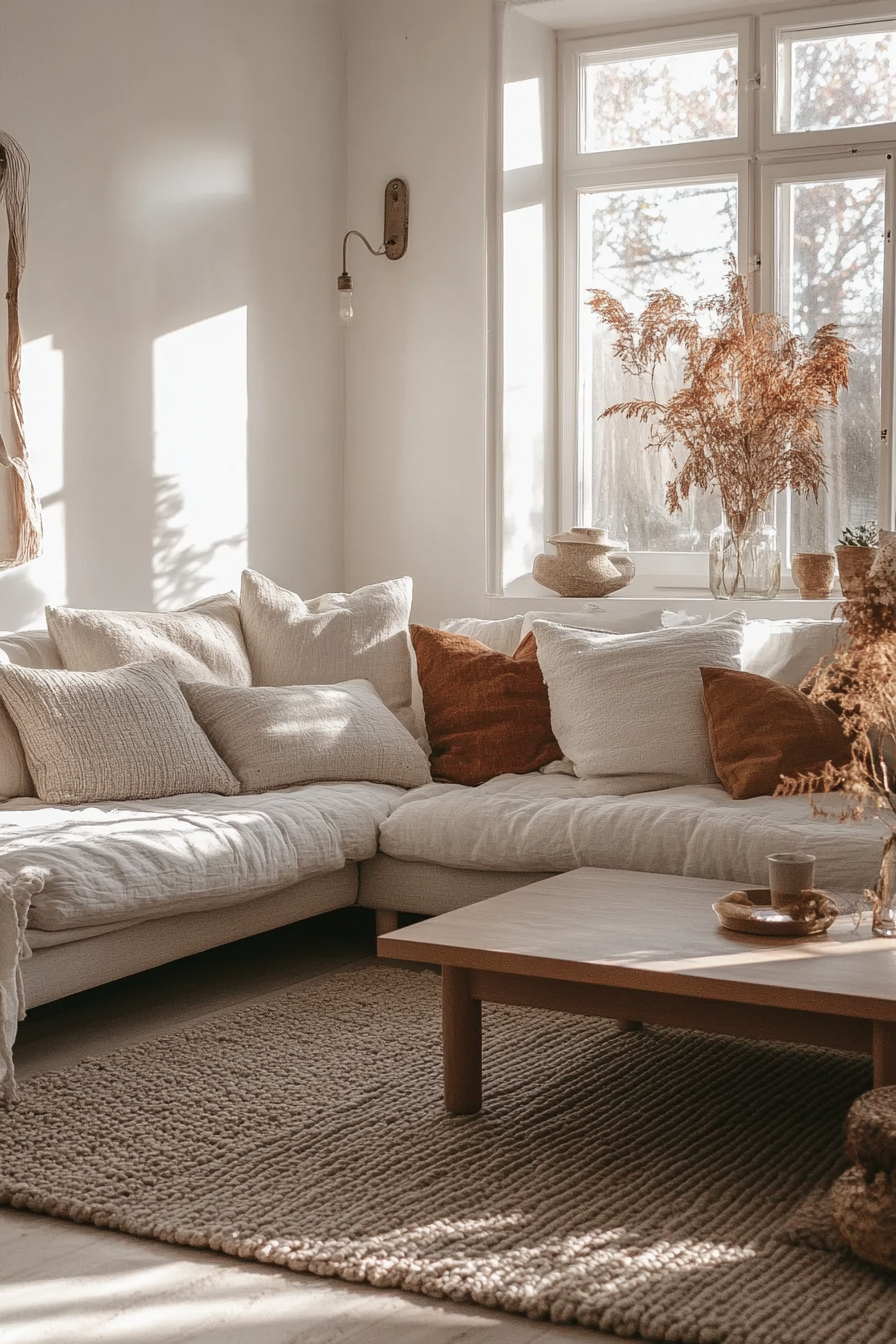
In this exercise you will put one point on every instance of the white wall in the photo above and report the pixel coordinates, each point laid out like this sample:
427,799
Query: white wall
419,74
187,162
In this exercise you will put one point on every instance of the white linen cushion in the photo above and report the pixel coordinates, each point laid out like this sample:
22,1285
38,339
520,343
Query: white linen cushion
123,733
203,642
333,638
503,636
598,616
553,823
271,736
784,651
145,860
22,648
627,710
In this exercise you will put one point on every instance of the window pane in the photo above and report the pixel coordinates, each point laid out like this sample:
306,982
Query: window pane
831,266
672,98
837,77
631,243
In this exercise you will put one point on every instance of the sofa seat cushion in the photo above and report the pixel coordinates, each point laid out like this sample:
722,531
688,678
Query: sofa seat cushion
113,861
553,823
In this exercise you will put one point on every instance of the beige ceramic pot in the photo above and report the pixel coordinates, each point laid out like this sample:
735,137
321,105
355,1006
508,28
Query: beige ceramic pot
582,566
854,562
814,573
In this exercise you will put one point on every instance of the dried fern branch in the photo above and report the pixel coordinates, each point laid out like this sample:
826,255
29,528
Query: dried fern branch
746,415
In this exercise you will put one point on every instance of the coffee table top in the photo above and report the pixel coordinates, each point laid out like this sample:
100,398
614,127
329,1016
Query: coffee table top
652,931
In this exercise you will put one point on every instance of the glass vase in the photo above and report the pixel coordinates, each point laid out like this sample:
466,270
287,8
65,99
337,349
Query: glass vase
745,562
883,916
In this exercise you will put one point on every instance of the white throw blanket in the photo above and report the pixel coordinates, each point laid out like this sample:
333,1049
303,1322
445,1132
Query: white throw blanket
15,900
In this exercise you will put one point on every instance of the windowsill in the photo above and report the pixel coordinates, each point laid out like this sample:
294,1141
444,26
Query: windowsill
692,600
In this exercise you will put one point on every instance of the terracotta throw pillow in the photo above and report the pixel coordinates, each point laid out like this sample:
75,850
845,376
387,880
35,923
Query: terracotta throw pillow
760,730
487,713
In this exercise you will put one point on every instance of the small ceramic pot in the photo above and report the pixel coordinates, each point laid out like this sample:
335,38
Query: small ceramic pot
854,562
814,573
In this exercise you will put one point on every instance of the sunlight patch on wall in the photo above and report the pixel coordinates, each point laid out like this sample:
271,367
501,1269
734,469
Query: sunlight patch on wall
200,406
522,124
25,590
524,391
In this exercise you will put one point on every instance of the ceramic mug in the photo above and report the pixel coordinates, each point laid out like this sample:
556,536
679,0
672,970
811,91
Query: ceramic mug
814,573
788,875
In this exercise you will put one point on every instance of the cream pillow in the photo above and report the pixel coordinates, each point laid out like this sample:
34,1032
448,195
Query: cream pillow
334,638
203,642
92,737
24,648
784,651
503,636
272,736
628,709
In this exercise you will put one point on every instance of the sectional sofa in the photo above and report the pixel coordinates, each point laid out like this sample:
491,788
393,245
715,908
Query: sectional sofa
136,884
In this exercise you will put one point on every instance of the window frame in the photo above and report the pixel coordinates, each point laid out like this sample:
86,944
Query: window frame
756,163
646,44
827,18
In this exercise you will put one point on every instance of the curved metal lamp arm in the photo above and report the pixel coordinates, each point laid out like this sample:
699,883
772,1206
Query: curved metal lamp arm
374,251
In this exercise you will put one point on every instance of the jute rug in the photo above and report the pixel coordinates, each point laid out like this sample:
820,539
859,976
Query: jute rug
642,1184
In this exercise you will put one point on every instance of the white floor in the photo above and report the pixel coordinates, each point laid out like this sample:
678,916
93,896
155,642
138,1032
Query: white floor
65,1284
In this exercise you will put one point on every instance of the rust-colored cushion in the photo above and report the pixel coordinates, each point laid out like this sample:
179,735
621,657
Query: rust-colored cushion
760,730
487,714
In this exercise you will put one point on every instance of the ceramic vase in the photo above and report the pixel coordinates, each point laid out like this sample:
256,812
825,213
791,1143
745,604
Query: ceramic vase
854,563
814,574
582,566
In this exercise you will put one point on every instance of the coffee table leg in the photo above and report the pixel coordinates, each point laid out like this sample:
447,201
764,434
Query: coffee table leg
884,1054
461,1043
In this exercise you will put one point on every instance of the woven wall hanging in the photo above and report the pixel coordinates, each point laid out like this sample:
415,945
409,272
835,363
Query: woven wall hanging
22,505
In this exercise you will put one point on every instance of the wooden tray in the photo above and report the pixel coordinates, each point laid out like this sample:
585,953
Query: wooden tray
751,911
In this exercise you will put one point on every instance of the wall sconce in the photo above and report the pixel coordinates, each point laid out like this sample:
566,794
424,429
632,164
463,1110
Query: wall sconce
395,240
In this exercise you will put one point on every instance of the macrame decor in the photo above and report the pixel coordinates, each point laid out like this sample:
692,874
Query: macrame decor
26,527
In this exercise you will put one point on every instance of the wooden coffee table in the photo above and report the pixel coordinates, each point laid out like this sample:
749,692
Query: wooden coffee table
643,947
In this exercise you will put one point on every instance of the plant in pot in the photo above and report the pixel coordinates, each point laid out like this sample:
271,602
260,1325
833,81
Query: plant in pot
856,553
744,423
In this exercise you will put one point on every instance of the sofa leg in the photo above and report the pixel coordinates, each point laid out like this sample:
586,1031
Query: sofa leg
386,921
628,1024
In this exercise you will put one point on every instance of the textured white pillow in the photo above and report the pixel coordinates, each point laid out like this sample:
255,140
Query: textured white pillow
23,648
272,736
784,651
502,636
596,617
628,709
334,638
203,642
128,732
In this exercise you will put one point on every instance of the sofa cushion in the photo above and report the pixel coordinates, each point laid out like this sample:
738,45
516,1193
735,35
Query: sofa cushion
337,637
21,648
203,642
271,736
487,713
123,733
760,730
553,823
784,651
627,710
143,860
501,636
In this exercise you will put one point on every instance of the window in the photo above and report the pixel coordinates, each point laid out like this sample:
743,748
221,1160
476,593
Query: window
769,138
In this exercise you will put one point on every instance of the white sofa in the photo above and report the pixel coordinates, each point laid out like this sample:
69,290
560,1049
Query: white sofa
134,885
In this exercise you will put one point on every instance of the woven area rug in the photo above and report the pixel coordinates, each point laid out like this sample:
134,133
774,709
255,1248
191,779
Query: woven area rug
639,1183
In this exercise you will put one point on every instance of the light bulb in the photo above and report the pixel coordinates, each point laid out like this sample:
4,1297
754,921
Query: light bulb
345,305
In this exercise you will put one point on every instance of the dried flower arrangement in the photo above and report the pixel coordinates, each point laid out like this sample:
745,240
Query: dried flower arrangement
746,414
858,681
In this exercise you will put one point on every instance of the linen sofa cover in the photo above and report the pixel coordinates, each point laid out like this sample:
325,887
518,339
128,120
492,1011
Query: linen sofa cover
109,862
553,823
